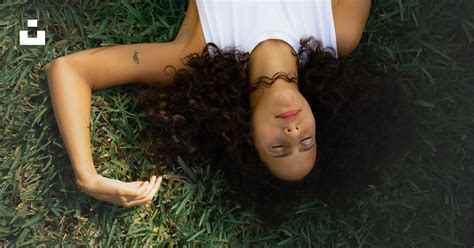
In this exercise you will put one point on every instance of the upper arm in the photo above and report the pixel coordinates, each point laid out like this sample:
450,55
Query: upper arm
350,17
189,23
135,63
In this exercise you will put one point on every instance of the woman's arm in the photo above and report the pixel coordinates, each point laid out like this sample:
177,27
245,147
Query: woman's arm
350,17
72,78
189,23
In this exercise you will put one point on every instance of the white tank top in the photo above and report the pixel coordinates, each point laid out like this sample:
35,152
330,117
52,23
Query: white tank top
243,24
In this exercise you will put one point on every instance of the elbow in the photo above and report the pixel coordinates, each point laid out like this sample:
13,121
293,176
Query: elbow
63,69
347,50
59,61
349,43
54,67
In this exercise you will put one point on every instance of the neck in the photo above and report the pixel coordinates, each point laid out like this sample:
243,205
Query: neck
267,59
270,57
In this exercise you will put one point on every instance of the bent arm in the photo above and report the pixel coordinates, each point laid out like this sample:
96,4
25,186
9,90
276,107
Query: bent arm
350,17
72,78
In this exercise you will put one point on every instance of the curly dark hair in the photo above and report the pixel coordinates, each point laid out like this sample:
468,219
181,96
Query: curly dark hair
361,111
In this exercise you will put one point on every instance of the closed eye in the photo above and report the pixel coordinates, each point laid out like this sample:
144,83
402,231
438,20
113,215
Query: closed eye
306,141
304,149
278,148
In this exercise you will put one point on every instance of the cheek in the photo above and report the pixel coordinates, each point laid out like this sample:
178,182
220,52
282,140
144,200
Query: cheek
262,128
265,133
270,131
310,123
312,126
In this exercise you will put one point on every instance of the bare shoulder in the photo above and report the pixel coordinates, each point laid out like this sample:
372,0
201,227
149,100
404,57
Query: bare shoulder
190,34
350,17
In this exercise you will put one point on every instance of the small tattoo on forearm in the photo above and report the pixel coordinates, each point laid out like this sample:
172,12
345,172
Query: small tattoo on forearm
135,58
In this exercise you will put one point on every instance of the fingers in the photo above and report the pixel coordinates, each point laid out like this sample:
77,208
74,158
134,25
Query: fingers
125,194
156,187
148,195
142,189
150,188
146,189
132,189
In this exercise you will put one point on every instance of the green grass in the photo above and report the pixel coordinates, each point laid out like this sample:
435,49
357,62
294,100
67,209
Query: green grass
425,200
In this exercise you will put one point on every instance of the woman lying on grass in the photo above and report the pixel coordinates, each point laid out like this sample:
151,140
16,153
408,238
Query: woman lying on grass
262,93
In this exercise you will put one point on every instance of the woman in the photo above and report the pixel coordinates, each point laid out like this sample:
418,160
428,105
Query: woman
279,119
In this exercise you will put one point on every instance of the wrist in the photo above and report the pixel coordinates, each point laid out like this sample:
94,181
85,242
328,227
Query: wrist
87,182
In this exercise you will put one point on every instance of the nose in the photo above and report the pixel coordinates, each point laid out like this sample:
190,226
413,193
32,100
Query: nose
292,129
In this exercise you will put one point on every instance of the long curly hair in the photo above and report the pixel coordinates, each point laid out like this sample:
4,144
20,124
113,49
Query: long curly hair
361,112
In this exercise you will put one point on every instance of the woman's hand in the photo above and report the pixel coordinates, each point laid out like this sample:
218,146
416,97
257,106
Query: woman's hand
127,194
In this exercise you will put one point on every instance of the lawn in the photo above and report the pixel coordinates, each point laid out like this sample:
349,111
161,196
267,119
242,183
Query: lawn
425,199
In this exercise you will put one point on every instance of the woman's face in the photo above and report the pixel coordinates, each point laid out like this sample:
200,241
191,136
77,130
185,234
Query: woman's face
284,130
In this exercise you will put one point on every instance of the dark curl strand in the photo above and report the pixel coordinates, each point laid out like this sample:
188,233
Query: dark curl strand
362,116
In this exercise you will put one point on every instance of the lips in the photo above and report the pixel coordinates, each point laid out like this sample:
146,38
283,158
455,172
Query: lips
289,114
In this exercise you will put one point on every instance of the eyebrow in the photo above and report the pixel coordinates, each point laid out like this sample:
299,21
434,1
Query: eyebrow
289,153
